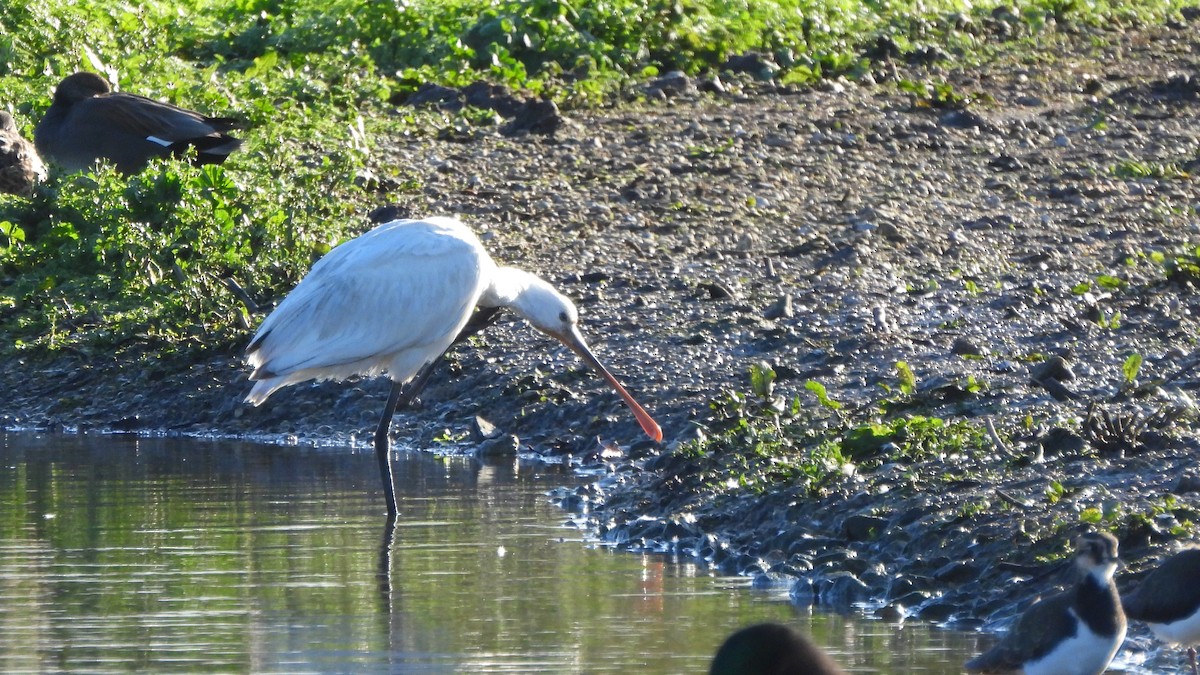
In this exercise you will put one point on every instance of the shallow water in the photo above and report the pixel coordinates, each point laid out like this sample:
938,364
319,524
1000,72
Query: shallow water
124,553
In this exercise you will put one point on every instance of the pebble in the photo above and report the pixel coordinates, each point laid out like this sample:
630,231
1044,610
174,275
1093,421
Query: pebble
1055,367
964,347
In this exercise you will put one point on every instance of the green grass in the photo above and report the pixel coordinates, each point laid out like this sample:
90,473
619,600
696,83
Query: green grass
97,262
1134,169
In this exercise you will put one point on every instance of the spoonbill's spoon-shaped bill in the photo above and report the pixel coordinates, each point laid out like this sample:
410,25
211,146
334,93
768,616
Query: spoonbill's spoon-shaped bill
575,341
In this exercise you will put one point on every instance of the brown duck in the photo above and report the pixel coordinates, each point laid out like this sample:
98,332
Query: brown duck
88,122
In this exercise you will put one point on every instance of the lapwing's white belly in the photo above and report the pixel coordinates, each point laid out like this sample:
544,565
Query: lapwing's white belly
1084,654
1185,632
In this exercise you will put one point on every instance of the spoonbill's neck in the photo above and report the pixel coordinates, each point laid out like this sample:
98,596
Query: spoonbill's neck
533,298
515,288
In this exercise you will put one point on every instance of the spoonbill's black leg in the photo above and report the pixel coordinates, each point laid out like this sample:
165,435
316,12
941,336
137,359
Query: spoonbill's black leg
403,394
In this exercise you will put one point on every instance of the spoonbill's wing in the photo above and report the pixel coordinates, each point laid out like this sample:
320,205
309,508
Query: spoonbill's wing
392,299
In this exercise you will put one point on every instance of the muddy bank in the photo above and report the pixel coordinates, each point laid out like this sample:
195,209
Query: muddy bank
974,223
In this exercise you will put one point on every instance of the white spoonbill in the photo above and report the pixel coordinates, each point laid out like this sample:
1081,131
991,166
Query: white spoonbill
391,302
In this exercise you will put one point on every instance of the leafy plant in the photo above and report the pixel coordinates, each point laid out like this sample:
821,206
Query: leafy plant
1109,320
1132,168
908,380
822,395
938,95
1130,369
762,380
1182,267
1054,492
910,438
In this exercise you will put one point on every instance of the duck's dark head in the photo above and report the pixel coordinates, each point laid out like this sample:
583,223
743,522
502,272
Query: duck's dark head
80,86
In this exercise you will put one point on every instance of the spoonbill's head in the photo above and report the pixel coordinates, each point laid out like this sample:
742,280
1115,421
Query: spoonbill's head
547,310
555,315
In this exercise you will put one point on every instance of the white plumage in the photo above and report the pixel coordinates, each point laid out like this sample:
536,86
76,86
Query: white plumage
390,302
387,302
1085,653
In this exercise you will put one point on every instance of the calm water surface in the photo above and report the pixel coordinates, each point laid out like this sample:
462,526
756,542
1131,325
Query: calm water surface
125,553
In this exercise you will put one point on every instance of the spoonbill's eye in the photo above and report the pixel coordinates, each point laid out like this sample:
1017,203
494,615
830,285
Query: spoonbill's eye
562,316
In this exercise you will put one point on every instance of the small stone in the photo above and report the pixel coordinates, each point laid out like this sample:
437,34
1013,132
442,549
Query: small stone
717,290
1091,85
862,527
956,572
1187,483
535,116
506,446
387,213
842,589
927,55
879,317
964,347
768,580
673,83
1057,389
1005,366
803,593
1055,367
891,612
1060,441
963,119
938,611
1005,163
483,430
892,233
913,599
758,65
712,85
782,309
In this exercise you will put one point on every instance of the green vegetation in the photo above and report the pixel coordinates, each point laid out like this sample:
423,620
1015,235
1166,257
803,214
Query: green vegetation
101,263
1132,168
758,443
1130,370
811,454
1181,266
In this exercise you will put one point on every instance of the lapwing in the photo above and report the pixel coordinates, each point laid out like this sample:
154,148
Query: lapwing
87,122
1168,601
1076,632
771,649
20,166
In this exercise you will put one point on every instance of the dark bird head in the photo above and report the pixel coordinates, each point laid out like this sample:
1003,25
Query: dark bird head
771,649
80,86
